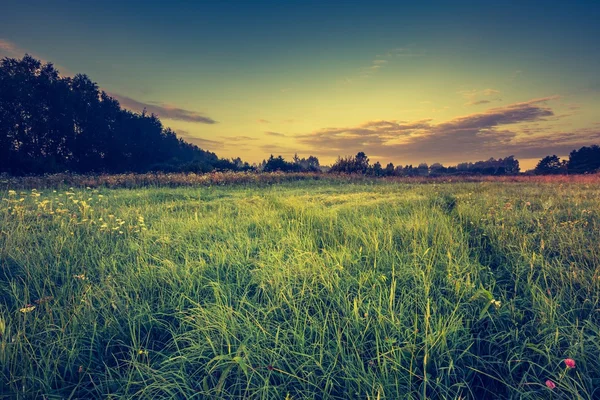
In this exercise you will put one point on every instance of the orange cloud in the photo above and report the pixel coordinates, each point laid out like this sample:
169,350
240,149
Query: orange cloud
476,135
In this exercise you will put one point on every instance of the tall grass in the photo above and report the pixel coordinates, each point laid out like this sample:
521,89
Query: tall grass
302,290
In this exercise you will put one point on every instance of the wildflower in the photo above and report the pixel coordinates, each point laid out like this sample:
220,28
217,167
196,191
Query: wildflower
270,367
551,385
27,309
496,303
12,193
80,370
570,363
81,277
528,204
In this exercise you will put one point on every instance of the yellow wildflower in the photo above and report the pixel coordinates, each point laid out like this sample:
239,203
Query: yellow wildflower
28,308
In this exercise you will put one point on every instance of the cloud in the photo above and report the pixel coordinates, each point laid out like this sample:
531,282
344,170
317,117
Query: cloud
9,48
494,132
381,60
475,96
474,93
275,148
408,51
214,144
478,102
200,142
277,134
163,110
370,70
263,121
239,138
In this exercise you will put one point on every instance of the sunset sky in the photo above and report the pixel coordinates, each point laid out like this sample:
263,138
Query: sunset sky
425,81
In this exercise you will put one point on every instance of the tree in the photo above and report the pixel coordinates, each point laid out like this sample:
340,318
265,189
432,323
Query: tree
376,169
361,162
50,123
584,160
358,164
549,165
423,169
436,169
510,165
389,169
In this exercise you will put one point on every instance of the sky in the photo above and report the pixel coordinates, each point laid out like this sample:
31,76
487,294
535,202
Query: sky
405,82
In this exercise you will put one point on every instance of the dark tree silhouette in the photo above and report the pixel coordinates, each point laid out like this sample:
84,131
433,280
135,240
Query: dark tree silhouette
50,123
389,169
584,160
550,165
358,164
311,164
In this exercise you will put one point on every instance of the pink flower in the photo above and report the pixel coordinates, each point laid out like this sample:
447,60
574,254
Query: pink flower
551,385
570,363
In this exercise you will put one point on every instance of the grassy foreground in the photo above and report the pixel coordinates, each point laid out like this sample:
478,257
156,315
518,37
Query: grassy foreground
301,290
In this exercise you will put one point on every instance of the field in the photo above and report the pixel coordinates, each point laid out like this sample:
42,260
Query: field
312,289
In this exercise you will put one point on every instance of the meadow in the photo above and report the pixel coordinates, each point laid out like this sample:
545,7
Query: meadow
318,289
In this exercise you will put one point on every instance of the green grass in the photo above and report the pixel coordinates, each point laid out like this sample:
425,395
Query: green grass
301,290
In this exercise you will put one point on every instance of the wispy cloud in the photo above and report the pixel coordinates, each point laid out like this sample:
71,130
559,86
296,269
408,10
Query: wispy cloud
277,134
263,121
490,133
163,110
276,148
477,97
405,52
206,144
379,62
9,49
478,102
239,138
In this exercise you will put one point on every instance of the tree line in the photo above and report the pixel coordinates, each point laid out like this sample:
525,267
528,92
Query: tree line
359,164
50,123
583,161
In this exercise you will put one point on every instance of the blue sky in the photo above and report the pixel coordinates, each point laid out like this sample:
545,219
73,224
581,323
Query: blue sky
332,78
